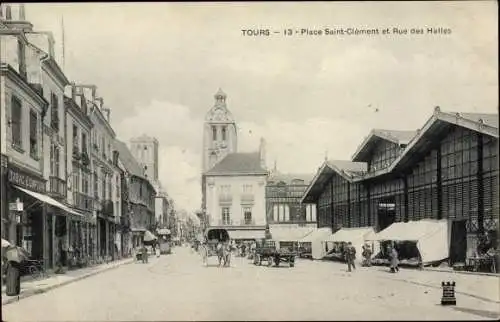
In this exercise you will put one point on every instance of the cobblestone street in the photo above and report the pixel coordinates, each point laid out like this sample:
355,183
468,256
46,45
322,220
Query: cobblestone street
178,287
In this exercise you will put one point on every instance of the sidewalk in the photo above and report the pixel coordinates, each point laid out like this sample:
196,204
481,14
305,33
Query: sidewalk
483,287
32,287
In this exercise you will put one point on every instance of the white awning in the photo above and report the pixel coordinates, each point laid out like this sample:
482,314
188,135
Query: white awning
246,234
431,236
320,234
351,234
289,234
49,200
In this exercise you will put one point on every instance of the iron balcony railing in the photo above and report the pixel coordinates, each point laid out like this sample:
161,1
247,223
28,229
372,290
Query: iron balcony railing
225,222
57,187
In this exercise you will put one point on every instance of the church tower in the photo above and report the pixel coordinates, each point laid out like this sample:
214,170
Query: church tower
145,151
219,133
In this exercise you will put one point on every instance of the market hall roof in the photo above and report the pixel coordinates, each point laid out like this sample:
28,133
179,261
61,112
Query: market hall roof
128,160
290,178
239,164
346,169
398,137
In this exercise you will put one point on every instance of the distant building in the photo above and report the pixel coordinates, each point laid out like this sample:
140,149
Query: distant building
145,150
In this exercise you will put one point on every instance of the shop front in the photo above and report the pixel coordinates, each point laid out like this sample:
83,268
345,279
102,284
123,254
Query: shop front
37,222
4,207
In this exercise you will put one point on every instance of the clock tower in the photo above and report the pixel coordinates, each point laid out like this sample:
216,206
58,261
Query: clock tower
219,133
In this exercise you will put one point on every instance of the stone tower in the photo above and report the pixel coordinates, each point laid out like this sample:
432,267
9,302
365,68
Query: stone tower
145,151
219,133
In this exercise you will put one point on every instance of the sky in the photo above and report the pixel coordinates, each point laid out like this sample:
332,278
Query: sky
158,65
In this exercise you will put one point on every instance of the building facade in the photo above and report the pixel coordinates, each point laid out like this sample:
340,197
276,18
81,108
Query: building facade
141,195
106,175
233,183
447,170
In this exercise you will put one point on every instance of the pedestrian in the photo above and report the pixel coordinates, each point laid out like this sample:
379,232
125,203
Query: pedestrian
367,253
394,259
144,254
158,250
350,256
220,252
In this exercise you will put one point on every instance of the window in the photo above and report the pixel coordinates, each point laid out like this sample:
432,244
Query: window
84,142
16,122
54,161
247,215
96,186
214,133
75,137
103,196
226,216
33,134
247,188
54,103
223,133
85,183
103,145
76,180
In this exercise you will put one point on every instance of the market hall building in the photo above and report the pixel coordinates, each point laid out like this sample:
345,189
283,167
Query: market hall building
446,170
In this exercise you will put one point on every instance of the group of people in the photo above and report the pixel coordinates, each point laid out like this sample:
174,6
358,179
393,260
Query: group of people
350,256
142,250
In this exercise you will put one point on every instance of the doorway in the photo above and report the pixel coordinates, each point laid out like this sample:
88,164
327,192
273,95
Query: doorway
386,213
458,242
50,237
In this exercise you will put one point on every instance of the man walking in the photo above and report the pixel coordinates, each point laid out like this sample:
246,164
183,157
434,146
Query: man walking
350,256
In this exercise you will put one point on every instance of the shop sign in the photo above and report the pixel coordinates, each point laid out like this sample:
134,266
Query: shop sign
26,180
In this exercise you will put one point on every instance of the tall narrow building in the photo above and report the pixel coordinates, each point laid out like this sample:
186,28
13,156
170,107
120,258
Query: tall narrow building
219,133
145,151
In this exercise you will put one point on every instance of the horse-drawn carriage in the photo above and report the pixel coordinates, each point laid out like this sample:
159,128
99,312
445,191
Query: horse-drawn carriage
266,250
213,237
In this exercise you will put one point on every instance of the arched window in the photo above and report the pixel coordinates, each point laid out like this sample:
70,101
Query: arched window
214,133
223,133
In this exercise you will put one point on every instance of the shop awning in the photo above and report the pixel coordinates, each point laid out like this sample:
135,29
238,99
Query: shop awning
246,234
289,234
50,201
431,236
320,234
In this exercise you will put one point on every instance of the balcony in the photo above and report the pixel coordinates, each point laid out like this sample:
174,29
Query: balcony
247,198
83,201
57,187
225,222
225,198
248,222
108,208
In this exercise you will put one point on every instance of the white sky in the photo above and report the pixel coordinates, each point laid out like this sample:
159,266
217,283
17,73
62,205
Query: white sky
157,65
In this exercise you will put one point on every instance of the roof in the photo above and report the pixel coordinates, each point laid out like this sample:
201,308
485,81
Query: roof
128,160
238,163
287,178
487,118
346,169
394,136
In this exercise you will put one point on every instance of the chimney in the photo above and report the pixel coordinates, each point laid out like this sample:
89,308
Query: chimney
262,153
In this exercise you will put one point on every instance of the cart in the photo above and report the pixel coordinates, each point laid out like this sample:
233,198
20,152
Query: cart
266,251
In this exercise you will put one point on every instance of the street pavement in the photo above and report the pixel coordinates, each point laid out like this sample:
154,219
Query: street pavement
179,287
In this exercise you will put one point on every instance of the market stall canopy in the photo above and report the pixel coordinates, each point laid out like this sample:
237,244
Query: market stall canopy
352,235
148,236
432,237
320,234
246,234
289,234
50,201
163,231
